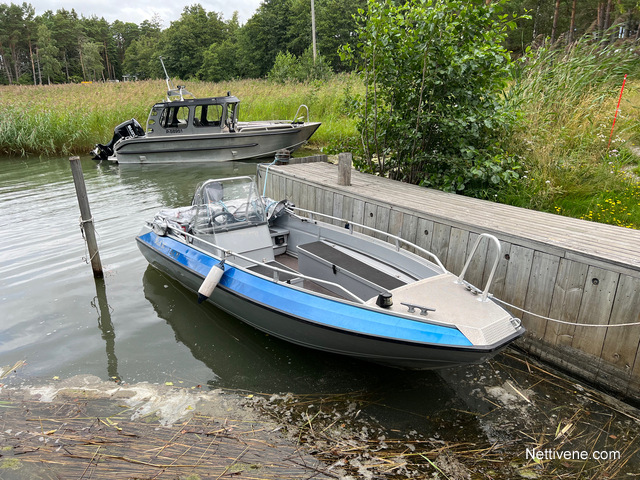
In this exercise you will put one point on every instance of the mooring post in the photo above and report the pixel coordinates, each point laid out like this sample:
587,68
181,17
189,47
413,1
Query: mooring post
87,220
344,169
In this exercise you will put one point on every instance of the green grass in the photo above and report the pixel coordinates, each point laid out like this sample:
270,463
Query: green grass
70,119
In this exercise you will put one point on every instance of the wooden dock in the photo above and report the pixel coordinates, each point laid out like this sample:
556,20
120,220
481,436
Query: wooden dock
563,268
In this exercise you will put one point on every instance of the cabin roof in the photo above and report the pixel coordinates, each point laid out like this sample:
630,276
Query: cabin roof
199,101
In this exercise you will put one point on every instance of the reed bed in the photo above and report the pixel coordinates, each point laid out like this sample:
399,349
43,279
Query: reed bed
568,99
71,118
513,404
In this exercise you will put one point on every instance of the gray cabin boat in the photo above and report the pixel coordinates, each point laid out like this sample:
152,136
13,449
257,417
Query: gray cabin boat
207,129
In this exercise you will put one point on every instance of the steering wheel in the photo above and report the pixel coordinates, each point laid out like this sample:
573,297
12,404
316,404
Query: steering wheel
224,217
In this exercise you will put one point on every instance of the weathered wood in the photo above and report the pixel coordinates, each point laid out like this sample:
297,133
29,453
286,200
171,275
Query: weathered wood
344,169
544,272
320,200
565,306
499,277
409,230
440,241
337,208
424,234
595,308
311,198
621,343
457,253
87,218
475,271
295,194
347,208
517,279
304,196
327,207
382,222
358,213
370,215
395,223
289,188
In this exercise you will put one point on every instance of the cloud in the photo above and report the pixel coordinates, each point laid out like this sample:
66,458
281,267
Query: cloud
141,10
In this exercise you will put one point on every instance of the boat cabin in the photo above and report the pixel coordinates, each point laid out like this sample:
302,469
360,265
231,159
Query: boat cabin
193,116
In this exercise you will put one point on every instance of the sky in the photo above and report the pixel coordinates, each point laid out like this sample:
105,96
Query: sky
139,10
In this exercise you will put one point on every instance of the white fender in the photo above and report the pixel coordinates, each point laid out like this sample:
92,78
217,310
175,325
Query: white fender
210,282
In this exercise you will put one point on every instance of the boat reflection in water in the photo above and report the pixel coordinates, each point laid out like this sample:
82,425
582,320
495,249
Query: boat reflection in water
240,357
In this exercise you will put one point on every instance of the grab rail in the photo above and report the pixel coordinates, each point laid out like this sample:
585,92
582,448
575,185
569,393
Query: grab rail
295,117
229,253
461,281
395,237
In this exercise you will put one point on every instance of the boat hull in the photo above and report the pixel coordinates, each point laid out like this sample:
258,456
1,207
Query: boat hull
215,147
316,321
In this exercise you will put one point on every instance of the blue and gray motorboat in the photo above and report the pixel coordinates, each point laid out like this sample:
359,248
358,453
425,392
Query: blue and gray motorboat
325,285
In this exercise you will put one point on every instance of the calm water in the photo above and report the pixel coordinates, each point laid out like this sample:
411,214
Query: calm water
138,325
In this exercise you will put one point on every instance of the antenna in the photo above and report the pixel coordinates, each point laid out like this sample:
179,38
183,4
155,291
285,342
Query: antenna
170,88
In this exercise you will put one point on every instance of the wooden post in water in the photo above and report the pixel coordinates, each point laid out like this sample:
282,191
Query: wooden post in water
87,219
344,169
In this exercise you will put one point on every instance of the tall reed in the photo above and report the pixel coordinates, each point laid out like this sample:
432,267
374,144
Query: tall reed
567,100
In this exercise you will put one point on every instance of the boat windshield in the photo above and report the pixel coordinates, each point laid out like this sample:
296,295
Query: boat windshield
227,204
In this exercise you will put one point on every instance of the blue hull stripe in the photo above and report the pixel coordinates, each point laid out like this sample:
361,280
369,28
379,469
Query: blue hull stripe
319,310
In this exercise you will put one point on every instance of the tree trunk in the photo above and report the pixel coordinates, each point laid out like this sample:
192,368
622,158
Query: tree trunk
33,67
535,21
556,14
38,60
66,65
5,65
16,63
607,18
601,7
106,56
573,21
84,75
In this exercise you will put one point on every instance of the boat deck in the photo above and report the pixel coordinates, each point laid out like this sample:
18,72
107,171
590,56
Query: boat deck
291,262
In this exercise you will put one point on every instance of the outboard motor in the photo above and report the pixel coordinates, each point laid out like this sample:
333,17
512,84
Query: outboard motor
130,128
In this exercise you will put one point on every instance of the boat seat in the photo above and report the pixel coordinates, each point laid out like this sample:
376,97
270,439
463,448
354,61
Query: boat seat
348,263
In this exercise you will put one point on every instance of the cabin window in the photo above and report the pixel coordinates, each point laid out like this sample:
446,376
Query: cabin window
174,117
207,116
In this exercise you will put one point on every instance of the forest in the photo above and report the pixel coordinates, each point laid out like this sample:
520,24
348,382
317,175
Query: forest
67,47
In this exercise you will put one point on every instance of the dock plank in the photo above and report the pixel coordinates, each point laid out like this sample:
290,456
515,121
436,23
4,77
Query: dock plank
518,274
440,241
621,343
596,305
544,272
424,233
565,305
475,271
458,242
500,276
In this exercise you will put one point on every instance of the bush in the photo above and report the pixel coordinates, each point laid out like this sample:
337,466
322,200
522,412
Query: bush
288,67
433,110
